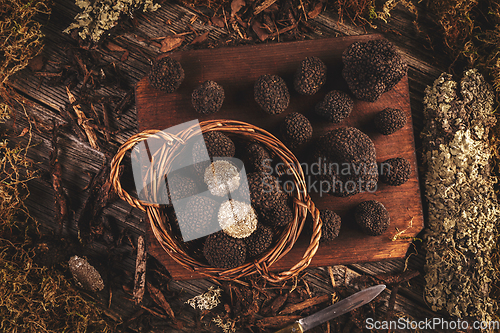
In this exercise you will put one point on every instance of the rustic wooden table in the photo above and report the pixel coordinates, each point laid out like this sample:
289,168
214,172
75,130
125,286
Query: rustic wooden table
79,160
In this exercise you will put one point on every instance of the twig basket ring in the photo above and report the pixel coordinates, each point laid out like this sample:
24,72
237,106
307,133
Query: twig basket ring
262,265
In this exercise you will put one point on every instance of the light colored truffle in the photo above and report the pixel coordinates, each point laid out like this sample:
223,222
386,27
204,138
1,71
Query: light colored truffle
237,219
222,177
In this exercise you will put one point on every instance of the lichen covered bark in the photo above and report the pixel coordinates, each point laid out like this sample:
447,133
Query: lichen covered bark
462,205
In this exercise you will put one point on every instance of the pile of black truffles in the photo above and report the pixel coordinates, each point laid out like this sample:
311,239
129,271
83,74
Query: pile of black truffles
242,215
166,74
372,68
372,217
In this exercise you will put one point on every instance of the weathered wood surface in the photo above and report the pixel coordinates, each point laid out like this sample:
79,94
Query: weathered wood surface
425,64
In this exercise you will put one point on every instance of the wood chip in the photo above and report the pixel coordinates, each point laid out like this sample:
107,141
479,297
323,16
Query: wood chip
140,271
236,5
257,27
263,6
276,304
160,299
170,43
83,121
200,39
306,304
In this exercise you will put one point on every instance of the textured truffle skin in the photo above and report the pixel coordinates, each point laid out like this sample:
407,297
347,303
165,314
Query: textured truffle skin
331,225
224,251
395,171
268,199
347,161
259,240
296,130
180,187
336,106
256,158
166,74
310,76
389,120
208,97
372,217
199,217
271,93
218,145
372,68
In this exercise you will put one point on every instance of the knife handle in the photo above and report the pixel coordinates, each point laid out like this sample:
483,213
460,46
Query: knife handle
295,328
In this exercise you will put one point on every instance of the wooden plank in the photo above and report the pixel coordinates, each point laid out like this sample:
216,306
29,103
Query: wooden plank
236,69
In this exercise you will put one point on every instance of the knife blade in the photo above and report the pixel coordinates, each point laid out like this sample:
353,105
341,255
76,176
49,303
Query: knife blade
347,304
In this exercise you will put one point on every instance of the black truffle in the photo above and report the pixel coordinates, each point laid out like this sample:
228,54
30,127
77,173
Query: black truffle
271,93
224,251
336,106
217,144
346,158
296,130
259,241
180,187
166,74
263,189
310,76
276,213
208,97
372,217
198,217
268,199
395,171
256,158
372,68
331,225
389,120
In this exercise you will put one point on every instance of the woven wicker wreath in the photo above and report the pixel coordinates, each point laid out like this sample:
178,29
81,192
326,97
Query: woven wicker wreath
286,239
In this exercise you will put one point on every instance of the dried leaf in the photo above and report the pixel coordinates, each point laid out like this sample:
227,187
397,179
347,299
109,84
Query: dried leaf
236,5
218,21
170,43
200,39
23,133
318,7
125,56
115,48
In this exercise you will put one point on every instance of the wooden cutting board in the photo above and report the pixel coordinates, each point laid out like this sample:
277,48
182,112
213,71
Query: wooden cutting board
236,69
